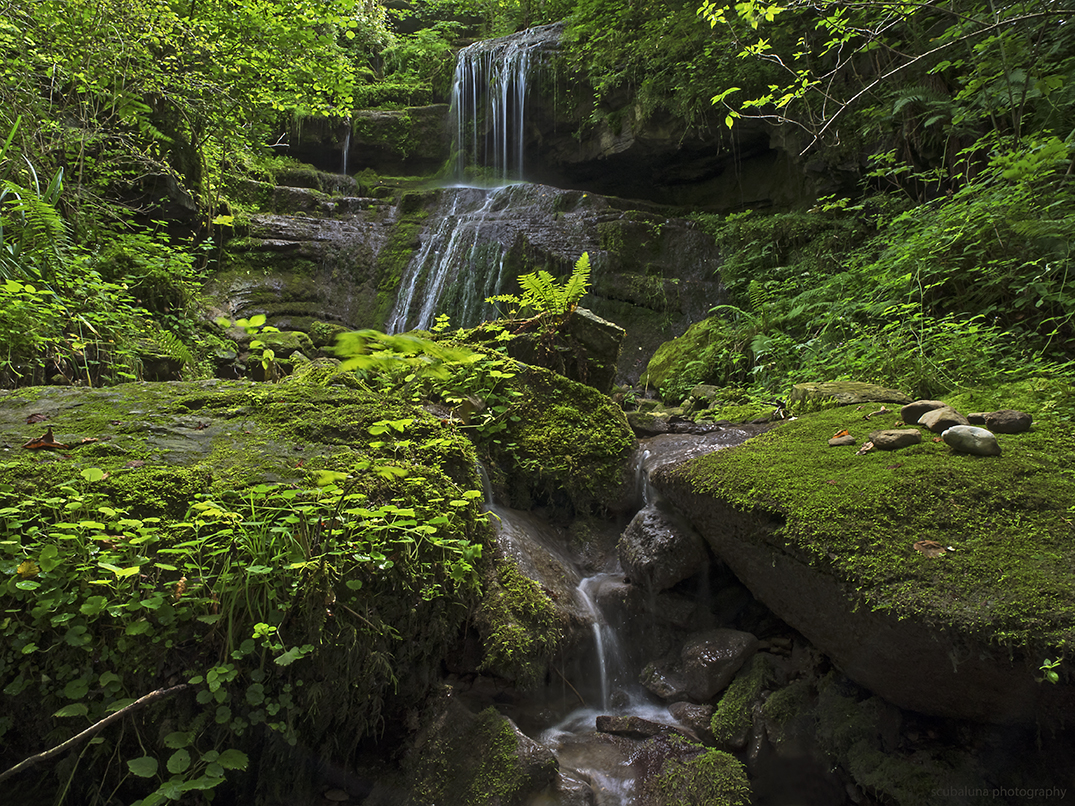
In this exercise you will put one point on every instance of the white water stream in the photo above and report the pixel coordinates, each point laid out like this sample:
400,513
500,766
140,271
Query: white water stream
489,91
606,683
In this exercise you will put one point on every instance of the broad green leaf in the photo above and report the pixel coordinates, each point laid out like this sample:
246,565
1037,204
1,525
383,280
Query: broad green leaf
178,738
232,759
179,761
144,767
74,709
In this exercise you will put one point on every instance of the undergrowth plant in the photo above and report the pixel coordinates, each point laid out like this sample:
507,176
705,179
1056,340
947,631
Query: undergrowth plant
969,289
241,597
544,295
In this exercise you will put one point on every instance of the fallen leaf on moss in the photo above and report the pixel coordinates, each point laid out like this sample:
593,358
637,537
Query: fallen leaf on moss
36,418
929,548
47,442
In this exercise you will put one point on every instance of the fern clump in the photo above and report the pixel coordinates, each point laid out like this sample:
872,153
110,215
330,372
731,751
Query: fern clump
544,294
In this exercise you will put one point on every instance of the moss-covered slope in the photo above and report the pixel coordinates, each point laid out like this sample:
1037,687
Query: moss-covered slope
839,529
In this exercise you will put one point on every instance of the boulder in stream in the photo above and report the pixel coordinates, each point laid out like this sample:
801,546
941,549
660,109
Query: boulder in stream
817,537
466,759
703,667
658,549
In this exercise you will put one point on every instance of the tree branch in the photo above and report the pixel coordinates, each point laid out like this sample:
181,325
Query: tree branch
141,702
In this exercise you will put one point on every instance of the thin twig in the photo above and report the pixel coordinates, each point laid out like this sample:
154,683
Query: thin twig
568,685
141,702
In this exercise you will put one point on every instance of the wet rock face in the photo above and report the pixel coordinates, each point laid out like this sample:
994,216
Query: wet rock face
657,550
352,262
702,668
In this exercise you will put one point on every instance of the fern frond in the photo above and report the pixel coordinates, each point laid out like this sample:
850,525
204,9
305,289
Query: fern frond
539,291
172,347
759,296
579,282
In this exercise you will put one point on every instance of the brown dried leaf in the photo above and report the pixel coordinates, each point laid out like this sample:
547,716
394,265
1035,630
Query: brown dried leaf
47,442
929,548
36,418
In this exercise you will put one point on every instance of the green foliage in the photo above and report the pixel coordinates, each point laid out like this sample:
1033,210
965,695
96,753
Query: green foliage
972,288
657,56
173,90
931,77
543,294
244,589
254,326
1048,670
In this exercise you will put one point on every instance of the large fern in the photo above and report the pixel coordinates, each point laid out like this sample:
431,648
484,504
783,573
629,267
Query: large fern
543,294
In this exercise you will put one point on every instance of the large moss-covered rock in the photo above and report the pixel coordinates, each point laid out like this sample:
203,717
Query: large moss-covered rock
826,539
676,771
178,531
696,357
565,444
466,759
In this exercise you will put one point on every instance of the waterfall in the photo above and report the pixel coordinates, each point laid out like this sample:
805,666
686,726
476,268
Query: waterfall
488,101
346,147
463,256
461,262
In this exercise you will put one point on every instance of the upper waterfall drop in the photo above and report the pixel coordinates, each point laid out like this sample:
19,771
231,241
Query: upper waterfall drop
488,102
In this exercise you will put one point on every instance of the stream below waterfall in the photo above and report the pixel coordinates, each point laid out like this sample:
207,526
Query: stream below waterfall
595,714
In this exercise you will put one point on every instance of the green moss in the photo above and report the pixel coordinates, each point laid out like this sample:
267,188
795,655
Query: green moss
785,706
567,436
850,730
393,259
712,778
711,351
733,716
521,628
1009,579
474,761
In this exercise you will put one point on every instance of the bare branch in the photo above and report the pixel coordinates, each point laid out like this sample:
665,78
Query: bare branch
93,729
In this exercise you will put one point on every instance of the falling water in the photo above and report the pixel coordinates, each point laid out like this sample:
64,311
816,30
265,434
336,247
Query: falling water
346,147
489,91
461,262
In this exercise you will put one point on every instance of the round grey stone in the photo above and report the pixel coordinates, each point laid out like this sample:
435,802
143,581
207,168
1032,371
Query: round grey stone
895,438
972,439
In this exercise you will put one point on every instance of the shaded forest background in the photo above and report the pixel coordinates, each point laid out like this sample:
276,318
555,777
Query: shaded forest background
126,123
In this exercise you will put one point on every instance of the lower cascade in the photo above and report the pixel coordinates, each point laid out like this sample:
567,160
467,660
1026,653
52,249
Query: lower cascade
595,714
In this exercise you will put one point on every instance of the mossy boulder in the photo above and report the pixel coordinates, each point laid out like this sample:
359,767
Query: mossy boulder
733,718
826,539
676,771
683,363
813,396
466,759
253,538
565,444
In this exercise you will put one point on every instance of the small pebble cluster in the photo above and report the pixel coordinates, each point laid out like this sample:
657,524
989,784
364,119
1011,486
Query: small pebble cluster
972,433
